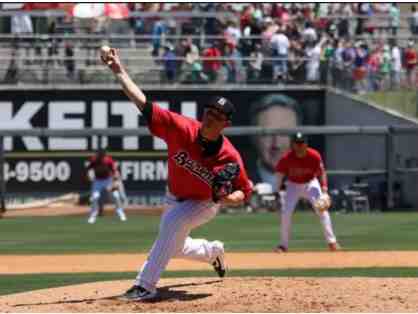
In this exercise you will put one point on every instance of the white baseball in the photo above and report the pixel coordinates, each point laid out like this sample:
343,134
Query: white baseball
105,52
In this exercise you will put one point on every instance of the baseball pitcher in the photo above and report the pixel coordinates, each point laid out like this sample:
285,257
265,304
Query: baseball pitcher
204,172
306,178
106,180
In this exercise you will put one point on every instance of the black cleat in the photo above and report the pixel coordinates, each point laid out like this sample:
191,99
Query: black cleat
281,249
137,293
219,266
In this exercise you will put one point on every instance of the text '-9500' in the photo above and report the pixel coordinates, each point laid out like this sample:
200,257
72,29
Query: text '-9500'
37,171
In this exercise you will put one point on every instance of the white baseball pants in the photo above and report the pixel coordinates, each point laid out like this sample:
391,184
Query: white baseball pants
310,191
173,239
100,185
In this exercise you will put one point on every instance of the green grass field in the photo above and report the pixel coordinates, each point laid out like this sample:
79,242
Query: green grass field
403,101
240,232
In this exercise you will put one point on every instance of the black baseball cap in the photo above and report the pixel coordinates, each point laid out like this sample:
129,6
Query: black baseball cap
299,138
223,105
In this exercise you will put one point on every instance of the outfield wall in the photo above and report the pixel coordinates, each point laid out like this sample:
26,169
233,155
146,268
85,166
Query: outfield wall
56,164
368,152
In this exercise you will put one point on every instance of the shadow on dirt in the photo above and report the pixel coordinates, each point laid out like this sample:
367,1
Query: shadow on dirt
164,294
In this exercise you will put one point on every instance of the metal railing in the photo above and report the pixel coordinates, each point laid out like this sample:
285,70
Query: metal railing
45,70
131,40
388,132
193,14
160,59
132,14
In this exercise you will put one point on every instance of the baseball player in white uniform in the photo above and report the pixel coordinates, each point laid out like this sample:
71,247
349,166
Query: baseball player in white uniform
306,178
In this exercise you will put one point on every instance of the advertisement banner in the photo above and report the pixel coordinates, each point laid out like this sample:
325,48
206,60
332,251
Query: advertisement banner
48,164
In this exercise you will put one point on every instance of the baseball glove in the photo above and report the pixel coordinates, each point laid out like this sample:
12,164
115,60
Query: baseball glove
114,186
323,203
222,183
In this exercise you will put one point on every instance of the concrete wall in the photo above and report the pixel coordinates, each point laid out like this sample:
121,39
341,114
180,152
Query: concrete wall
369,152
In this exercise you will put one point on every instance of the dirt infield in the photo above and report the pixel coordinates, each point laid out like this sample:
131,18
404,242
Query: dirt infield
235,294
229,295
65,209
23,264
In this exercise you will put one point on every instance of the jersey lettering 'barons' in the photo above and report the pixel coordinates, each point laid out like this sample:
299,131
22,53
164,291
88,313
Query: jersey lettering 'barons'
182,159
301,170
102,169
190,172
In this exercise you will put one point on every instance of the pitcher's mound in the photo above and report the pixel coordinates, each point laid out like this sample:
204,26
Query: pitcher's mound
248,294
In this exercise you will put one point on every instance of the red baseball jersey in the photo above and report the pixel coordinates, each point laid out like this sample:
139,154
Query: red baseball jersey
102,169
190,173
301,170
410,58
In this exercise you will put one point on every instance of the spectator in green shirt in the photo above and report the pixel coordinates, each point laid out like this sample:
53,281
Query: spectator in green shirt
394,18
326,55
385,67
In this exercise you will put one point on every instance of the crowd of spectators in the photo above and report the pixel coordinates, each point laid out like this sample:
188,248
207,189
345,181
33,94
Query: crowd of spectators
269,43
303,43
363,68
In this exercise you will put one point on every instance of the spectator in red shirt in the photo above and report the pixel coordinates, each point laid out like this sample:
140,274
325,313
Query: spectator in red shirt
373,65
307,11
246,16
211,67
410,63
29,6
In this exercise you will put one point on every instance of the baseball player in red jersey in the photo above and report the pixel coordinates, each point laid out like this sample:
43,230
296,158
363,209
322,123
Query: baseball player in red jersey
306,178
106,179
196,152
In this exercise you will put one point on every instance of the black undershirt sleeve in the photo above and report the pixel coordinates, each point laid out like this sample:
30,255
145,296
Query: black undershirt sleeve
147,111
